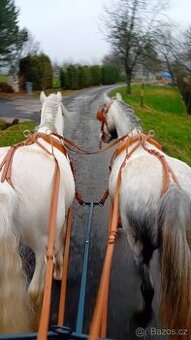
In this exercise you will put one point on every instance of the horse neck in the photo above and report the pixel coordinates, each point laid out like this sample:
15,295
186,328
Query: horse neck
59,122
51,121
125,122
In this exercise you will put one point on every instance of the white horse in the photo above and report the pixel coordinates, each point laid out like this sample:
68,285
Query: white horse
24,217
150,220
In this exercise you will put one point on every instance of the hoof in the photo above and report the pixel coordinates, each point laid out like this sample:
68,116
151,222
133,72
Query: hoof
57,274
143,318
33,296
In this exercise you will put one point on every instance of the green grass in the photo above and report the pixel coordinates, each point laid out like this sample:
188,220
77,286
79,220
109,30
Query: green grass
14,133
3,78
56,83
164,112
2,124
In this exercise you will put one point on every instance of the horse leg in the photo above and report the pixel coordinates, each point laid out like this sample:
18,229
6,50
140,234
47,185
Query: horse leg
36,287
147,290
57,274
142,255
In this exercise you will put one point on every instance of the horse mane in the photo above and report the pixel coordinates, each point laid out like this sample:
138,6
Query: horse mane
129,112
50,111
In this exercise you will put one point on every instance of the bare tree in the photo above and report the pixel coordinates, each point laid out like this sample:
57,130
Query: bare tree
129,26
25,44
167,47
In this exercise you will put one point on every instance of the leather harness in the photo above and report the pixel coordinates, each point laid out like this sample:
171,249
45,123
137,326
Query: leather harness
6,164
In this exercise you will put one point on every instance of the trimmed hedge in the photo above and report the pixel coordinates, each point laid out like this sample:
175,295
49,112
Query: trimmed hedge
78,77
36,69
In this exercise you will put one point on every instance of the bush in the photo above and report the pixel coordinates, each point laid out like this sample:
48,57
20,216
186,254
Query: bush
4,87
184,85
78,77
38,70
96,75
110,74
84,77
71,77
63,79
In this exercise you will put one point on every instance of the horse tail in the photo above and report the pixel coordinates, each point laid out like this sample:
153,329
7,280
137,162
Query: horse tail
14,312
175,260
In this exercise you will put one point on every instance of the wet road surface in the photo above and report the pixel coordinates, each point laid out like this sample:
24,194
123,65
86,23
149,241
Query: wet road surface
91,181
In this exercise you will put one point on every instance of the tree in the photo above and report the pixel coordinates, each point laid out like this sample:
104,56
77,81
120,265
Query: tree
8,30
95,75
129,25
110,74
25,44
20,39
113,59
182,68
38,70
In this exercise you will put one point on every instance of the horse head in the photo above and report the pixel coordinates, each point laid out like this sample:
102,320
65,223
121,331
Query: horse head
117,118
53,113
105,116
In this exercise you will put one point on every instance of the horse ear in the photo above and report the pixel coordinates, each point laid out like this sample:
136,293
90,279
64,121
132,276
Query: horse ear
59,96
42,96
119,97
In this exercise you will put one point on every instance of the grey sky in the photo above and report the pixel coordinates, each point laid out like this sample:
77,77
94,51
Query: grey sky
68,30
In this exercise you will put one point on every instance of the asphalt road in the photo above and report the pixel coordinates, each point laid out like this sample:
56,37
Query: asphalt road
92,177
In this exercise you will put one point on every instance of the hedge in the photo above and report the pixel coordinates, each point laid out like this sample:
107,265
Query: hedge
78,77
36,69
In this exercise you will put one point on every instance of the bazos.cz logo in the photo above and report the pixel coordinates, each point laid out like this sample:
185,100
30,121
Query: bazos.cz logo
143,332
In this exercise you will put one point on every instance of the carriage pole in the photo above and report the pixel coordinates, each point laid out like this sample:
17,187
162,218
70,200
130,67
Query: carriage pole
81,304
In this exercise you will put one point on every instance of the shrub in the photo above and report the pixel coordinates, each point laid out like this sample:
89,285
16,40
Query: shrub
110,74
96,75
78,77
4,87
38,70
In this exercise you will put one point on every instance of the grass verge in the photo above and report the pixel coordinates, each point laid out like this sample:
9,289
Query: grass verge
164,112
14,133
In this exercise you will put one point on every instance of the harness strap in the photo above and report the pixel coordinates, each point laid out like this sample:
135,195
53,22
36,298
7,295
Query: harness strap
167,171
128,141
6,164
61,313
45,314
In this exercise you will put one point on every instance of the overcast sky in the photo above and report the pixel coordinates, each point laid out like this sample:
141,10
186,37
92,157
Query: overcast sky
68,30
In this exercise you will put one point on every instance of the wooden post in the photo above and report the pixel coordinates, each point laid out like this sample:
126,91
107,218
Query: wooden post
142,94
